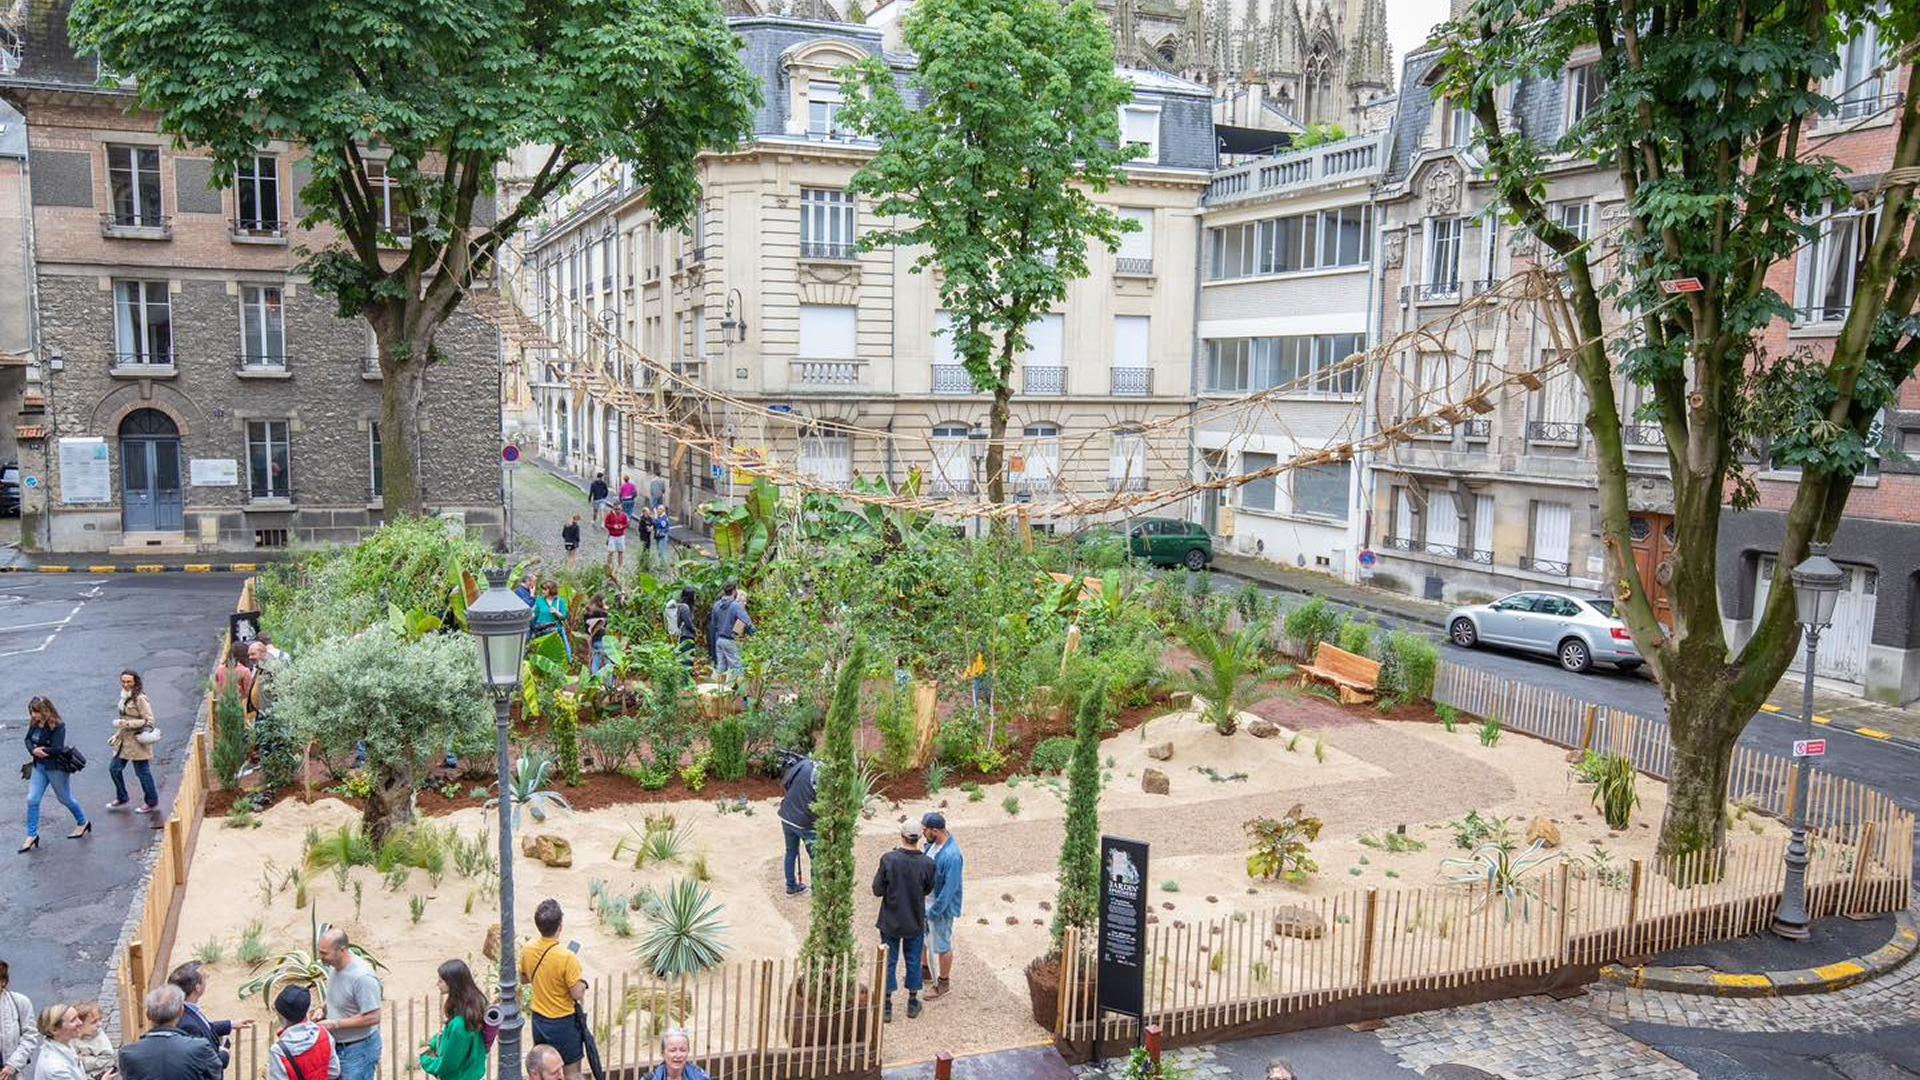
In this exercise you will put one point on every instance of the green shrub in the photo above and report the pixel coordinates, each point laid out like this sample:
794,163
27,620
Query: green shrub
1310,624
1490,731
345,846
419,846
894,721
1053,755
228,754
281,754
1614,793
1408,663
1357,638
1077,904
616,741
727,746
838,799
1280,845
565,727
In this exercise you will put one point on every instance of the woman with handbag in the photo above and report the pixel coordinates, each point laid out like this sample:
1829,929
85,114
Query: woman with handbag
134,733
52,765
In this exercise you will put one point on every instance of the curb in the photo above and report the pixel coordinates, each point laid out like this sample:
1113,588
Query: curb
1818,980
135,568
1435,622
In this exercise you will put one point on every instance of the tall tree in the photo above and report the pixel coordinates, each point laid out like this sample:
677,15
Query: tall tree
1709,115
432,95
1017,120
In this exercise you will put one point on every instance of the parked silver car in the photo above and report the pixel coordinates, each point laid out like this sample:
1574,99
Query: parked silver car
1579,630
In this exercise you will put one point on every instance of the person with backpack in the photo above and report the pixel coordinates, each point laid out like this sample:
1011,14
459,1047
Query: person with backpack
682,627
51,764
570,539
459,1051
303,1050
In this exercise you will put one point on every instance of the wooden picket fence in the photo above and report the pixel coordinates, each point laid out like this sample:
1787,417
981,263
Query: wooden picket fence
1417,944
743,1020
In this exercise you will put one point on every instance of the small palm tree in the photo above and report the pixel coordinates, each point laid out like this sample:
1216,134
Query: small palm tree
529,790
686,935
1231,667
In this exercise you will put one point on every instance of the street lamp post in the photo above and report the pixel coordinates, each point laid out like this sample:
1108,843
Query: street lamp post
498,622
1816,589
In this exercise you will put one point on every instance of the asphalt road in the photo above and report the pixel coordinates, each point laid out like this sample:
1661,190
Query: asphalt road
67,636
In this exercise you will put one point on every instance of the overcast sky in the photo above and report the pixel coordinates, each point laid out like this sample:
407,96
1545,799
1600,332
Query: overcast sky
1408,22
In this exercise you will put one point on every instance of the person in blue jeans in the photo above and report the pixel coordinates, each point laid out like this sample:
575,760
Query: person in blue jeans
944,906
903,882
796,815
352,1015
47,746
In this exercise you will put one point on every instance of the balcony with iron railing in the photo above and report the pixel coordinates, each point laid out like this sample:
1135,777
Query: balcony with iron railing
1644,437
952,379
1553,432
1549,567
1132,381
827,374
1126,483
141,365
118,226
830,250
1132,267
1049,380
1455,552
261,365
1349,159
257,231
1476,430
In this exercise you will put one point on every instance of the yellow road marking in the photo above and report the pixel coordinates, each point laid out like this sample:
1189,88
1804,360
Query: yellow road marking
243,568
149,568
197,568
1840,970
1742,980
1769,707
1873,733
1823,719
54,569
103,568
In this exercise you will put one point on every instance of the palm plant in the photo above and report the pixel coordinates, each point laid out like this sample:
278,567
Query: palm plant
685,938
1231,667
529,790
301,967
1495,865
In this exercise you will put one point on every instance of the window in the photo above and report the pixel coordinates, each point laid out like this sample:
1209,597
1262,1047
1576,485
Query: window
1576,218
1046,342
1127,464
699,318
1585,86
1552,538
133,177
390,204
823,108
377,484
1829,265
144,323
829,332
1559,407
1443,525
263,341
1324,239
826,223
1461,125
267,473
1481,541
952,458
1140,126
1322,490
1257,494
1304,366
1443,254
256,193
1132,366
1039,462
827,458
1855,84
1136,248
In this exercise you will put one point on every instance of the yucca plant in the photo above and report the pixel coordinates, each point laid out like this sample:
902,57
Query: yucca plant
299,967
1230,669
529,790
686,935
1496,865
1613,791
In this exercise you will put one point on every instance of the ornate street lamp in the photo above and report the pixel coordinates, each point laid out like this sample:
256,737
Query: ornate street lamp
498,622
1817,582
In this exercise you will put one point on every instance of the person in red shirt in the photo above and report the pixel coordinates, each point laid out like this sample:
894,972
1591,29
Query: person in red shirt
616,523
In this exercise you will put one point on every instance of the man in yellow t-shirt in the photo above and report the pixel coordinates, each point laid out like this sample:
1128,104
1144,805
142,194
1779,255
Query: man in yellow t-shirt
558,983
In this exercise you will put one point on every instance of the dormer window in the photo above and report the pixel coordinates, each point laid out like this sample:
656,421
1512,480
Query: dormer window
1461,125
1140,126
823,108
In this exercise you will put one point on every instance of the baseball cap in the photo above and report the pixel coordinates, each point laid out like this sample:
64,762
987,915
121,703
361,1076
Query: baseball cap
934,819
910,829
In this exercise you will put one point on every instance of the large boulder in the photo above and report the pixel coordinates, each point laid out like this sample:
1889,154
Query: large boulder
1262,729
491,947
1181,699
1544,830
1162,751
551,850
1154,782
1295,921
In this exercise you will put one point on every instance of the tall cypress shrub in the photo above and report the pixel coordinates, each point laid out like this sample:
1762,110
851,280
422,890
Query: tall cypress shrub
837,797
1079,900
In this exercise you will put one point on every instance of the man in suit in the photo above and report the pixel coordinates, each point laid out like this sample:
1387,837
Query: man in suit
166,1052
191,978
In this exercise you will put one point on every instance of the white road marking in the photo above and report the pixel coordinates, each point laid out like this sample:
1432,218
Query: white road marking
60,624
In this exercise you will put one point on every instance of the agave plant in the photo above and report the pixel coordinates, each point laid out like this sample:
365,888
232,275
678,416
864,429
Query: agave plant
1230,669
1495,865
301,967
685,938
529,790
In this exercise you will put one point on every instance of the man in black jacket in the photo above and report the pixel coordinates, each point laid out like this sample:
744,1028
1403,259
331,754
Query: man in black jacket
191,978
166,1052
903,883
796,815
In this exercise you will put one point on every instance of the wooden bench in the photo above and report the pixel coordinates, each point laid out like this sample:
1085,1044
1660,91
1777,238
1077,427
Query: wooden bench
1354,676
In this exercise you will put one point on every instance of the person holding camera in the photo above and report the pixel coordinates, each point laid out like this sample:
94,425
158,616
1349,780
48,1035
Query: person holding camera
134,733
797,775
52,765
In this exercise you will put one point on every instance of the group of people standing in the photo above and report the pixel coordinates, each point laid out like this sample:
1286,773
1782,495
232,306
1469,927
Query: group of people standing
651,523
53,759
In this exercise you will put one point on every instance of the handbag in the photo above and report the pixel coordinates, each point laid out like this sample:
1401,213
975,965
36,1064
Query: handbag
148,735
72,758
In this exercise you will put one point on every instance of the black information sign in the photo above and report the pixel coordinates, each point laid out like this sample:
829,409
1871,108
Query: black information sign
244,626
1123,926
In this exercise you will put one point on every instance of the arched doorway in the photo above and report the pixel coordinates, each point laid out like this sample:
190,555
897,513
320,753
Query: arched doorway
150,495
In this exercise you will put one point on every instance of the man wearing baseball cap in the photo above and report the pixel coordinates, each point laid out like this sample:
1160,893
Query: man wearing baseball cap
944,905
903,882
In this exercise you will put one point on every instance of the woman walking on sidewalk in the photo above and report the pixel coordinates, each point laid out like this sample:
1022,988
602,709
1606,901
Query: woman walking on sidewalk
134,733
51,767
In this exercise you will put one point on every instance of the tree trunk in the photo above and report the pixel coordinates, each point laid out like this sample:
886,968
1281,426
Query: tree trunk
390,803
403,369
997,443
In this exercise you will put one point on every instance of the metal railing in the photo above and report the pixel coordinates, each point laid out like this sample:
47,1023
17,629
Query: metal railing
1644,435
259,227
1132,381
139,226
1477,430
1126,483
1131,267
261,361
1564,432
1431,292
952,379
1545,566
123,361
1043,380
1456,552
829,372
826,249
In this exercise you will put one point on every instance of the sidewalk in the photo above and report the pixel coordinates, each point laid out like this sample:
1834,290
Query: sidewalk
1409,611
683,535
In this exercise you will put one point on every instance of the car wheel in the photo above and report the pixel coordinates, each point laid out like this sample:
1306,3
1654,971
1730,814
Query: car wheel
1196,559
1574,656
1463,634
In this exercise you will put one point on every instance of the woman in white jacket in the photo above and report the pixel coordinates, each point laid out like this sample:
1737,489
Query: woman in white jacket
60,1025
18,1036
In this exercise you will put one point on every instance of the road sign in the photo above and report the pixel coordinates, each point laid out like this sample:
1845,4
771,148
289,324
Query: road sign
1368,558
32,481
783,409
1672,286
1809,748
510,453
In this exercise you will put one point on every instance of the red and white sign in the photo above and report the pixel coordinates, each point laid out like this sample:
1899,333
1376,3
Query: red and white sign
1681,285
1809,748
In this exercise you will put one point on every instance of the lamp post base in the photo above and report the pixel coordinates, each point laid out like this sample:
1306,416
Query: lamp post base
1792,931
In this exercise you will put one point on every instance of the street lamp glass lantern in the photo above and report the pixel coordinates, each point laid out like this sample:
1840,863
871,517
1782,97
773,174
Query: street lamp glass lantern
1817,582
498,622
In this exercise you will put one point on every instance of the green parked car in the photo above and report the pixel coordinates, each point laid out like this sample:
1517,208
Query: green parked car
1168,542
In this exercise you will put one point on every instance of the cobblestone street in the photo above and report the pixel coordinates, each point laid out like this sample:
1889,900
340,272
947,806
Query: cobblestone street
543,502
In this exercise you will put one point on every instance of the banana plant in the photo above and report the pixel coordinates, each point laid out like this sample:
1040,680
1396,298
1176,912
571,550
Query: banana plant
414,624
745,533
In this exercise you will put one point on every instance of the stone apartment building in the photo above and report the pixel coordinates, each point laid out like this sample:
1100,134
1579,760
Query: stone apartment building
1288,292
1502,500
1873,646
16,272
765,299
199,394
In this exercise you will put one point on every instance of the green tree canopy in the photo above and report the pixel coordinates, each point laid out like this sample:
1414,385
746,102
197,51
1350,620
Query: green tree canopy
405,701
440,93
1717,117
1017,121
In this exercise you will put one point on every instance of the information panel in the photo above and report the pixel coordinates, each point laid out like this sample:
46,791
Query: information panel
85,473
1123,925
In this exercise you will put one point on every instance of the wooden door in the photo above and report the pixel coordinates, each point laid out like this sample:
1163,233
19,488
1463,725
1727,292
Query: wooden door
1654,539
